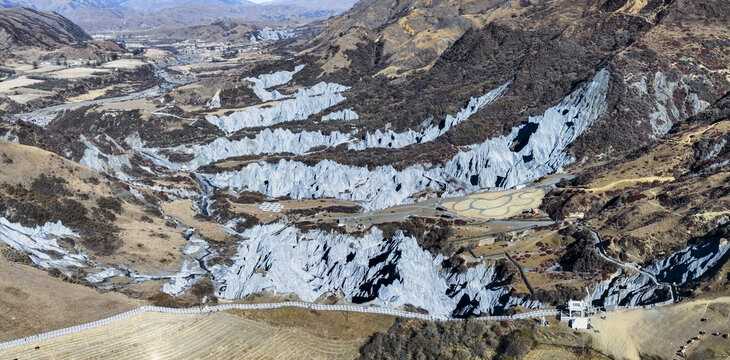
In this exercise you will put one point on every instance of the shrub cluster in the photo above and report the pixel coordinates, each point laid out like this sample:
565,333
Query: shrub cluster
581,255
110,203
43,203
51,186
560,295
413,339
430,237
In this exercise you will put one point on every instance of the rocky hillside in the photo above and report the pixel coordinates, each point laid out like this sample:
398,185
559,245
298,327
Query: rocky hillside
660,197
547,48
229,31
412,64
26,27
236,180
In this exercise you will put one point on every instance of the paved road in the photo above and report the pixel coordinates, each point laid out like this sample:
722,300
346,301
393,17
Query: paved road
508,225
368,218
45,115
402,212
263,306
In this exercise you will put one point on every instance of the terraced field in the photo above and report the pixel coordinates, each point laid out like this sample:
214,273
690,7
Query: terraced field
205,336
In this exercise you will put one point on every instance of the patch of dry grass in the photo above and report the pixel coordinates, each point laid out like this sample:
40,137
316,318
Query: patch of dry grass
661,331
205,336
339,325
32,302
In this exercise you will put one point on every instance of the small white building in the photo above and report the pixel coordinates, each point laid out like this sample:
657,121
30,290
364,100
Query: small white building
575,314
580,323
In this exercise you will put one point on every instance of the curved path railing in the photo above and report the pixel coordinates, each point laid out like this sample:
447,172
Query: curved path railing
604,255
210,309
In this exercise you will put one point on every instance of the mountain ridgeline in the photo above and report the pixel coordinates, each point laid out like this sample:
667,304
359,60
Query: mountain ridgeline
108,15
31,28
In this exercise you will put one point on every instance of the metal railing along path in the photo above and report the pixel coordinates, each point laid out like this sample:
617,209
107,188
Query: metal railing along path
263,306
602,253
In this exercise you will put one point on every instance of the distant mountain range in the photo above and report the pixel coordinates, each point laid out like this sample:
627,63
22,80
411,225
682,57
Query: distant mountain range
25,27
101,15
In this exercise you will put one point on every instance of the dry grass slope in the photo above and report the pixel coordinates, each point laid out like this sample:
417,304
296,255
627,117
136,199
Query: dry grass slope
209,336
661,331
32,302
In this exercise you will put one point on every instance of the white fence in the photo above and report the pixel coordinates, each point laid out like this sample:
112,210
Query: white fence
224,307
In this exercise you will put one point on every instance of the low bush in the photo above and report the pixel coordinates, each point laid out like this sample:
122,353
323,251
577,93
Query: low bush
51,186
247,197
246,222
110,203
204,288
516,345
102,239
13,255
560,295
412,339
103,214
167,300
69,211
431,237
581,255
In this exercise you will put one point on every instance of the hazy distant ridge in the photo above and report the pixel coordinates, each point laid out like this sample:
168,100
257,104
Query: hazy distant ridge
98,15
